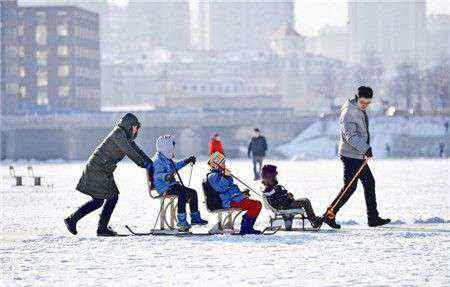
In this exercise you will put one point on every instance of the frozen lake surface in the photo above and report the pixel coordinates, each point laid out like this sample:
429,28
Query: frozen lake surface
36,249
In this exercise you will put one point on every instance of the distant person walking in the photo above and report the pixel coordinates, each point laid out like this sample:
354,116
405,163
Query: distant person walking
355,150
215,145
257,150
97,180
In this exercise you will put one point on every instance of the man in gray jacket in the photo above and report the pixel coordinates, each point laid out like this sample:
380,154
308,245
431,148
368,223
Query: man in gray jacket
97,179
354,150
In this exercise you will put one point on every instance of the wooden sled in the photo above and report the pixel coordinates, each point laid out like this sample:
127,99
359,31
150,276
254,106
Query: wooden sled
224,225
288,216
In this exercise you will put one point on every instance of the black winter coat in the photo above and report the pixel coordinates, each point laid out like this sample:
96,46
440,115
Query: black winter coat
97,179
257,146
277,197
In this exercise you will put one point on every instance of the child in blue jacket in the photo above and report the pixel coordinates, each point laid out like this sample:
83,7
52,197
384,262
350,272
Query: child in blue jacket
165,170
221,181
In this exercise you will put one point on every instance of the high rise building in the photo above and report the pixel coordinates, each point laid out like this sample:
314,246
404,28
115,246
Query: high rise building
59,58
239,25
393,31
438,41
9,76
163,24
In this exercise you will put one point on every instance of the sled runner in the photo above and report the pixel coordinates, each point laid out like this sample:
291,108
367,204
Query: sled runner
214,205
266,231
287,215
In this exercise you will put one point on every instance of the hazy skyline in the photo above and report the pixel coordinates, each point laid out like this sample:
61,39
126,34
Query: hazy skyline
314,14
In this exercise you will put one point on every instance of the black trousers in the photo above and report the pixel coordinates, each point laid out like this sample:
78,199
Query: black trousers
351,167
96,203
184,194
257,166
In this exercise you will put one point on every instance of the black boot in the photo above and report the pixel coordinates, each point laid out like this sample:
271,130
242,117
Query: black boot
247,225
331,222
378,221
103,228
71,225
106,231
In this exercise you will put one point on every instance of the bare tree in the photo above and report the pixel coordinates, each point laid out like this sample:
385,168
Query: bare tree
438,87
405,84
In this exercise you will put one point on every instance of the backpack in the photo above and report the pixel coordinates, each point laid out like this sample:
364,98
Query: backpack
213,201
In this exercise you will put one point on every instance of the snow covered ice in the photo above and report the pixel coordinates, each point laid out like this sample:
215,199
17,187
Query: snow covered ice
36,248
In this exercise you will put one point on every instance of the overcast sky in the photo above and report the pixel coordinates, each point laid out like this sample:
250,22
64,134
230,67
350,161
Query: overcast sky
314,14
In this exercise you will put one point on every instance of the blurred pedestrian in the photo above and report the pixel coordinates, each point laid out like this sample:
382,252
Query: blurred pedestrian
257,150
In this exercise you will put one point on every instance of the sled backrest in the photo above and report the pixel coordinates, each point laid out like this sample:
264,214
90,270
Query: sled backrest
12,172
150,184
267,204
30,171
213,201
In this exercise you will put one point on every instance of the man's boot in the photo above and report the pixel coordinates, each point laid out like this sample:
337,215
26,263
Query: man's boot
330,219
71,225
378,221
105,231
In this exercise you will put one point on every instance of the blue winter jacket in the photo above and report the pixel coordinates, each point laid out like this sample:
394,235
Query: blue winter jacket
228,191
163,169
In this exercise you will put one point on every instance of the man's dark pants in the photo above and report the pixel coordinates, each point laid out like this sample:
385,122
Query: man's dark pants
96,203
257,166
351,167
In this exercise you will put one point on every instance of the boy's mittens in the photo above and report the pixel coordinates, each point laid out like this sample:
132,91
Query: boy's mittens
192,159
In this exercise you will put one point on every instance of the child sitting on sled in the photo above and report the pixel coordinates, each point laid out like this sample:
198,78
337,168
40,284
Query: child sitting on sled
220,180
165,171
279,198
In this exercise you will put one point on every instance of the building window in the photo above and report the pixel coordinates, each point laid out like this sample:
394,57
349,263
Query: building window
42,80
21,30
23,92
22,72
41,58
62,30
63,51
42,98
41,15
63,71
41,35
64,91
21,51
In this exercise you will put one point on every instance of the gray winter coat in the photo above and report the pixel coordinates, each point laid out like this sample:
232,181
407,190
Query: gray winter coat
354,134
97,179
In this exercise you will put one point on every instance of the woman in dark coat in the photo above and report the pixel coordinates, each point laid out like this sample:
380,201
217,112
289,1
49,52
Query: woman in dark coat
97,180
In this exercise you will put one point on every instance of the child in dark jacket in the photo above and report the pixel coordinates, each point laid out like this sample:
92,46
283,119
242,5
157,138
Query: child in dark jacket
279,198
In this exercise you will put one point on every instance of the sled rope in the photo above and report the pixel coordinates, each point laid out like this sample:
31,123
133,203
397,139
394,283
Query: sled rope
330,211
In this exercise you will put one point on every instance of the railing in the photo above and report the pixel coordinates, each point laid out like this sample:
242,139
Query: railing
176,118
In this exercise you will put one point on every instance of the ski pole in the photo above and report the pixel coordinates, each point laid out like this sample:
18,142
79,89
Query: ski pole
190,174
330,210
243,183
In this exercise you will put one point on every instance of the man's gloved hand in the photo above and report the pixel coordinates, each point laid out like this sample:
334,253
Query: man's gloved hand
368,153
192,159
290,195
246,192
